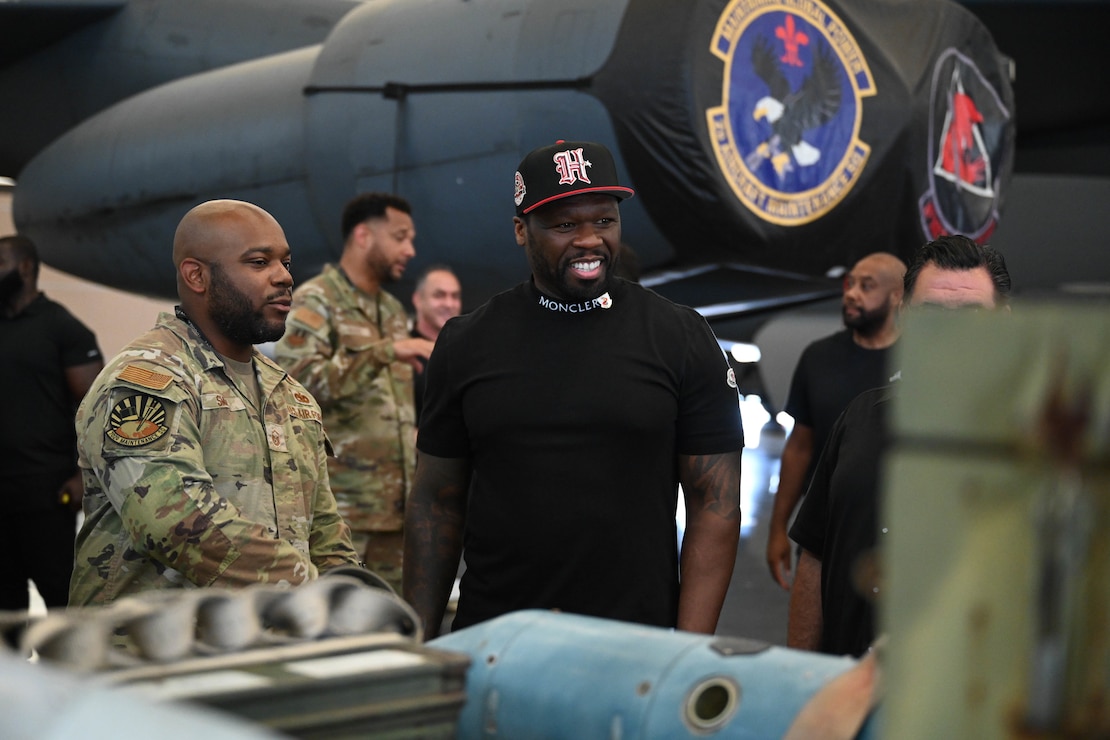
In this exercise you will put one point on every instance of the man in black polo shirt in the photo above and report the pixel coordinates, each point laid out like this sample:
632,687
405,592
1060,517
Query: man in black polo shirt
49,361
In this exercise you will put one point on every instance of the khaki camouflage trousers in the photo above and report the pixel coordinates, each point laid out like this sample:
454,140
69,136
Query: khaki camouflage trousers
382,552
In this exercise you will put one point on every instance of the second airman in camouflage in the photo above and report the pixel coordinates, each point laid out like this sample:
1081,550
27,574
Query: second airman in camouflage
349,343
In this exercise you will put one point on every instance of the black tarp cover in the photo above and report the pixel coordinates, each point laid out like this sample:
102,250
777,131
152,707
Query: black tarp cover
803,134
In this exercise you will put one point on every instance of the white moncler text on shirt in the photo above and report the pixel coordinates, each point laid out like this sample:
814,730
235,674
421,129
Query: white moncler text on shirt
602,301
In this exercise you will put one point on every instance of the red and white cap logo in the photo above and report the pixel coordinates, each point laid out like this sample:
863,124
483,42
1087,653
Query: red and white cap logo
571,166
521,191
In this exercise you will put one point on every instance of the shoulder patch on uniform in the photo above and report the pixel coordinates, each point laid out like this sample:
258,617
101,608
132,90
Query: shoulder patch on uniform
137,420
309,318
145,378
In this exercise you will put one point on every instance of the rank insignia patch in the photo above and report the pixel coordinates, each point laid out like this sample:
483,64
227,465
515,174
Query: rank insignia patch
137,420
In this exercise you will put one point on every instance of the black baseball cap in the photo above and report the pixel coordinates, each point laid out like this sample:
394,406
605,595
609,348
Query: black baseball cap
563,169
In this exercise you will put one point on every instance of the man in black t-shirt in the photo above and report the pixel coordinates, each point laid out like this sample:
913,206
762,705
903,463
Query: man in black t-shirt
839,523
558,421
49,361
831,372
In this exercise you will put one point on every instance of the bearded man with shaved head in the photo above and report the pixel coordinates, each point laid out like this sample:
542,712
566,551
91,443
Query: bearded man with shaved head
204,463
840,527
830,373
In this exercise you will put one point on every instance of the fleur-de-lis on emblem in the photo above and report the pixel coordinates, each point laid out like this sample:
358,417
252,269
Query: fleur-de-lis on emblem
792,40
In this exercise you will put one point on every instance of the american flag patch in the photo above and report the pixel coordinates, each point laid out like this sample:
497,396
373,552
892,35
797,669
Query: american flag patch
145,378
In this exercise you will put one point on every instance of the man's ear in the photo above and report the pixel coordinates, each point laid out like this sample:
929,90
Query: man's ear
364,235
900,313
521,230
26,269
194,275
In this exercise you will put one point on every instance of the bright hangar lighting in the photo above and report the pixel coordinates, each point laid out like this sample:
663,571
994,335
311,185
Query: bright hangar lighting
745,353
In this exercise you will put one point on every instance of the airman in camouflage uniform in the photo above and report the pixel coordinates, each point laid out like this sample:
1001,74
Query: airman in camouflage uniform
349,343
195,474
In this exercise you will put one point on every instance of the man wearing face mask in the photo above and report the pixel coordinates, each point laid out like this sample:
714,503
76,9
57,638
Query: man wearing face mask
49,361
558,422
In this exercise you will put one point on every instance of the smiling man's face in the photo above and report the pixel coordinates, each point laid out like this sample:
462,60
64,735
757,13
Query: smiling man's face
573,245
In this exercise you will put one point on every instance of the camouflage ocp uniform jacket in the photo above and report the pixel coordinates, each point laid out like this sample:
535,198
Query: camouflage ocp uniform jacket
339,343
185,484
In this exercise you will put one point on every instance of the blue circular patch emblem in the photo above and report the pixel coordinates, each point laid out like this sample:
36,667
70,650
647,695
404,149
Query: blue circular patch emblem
786,134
